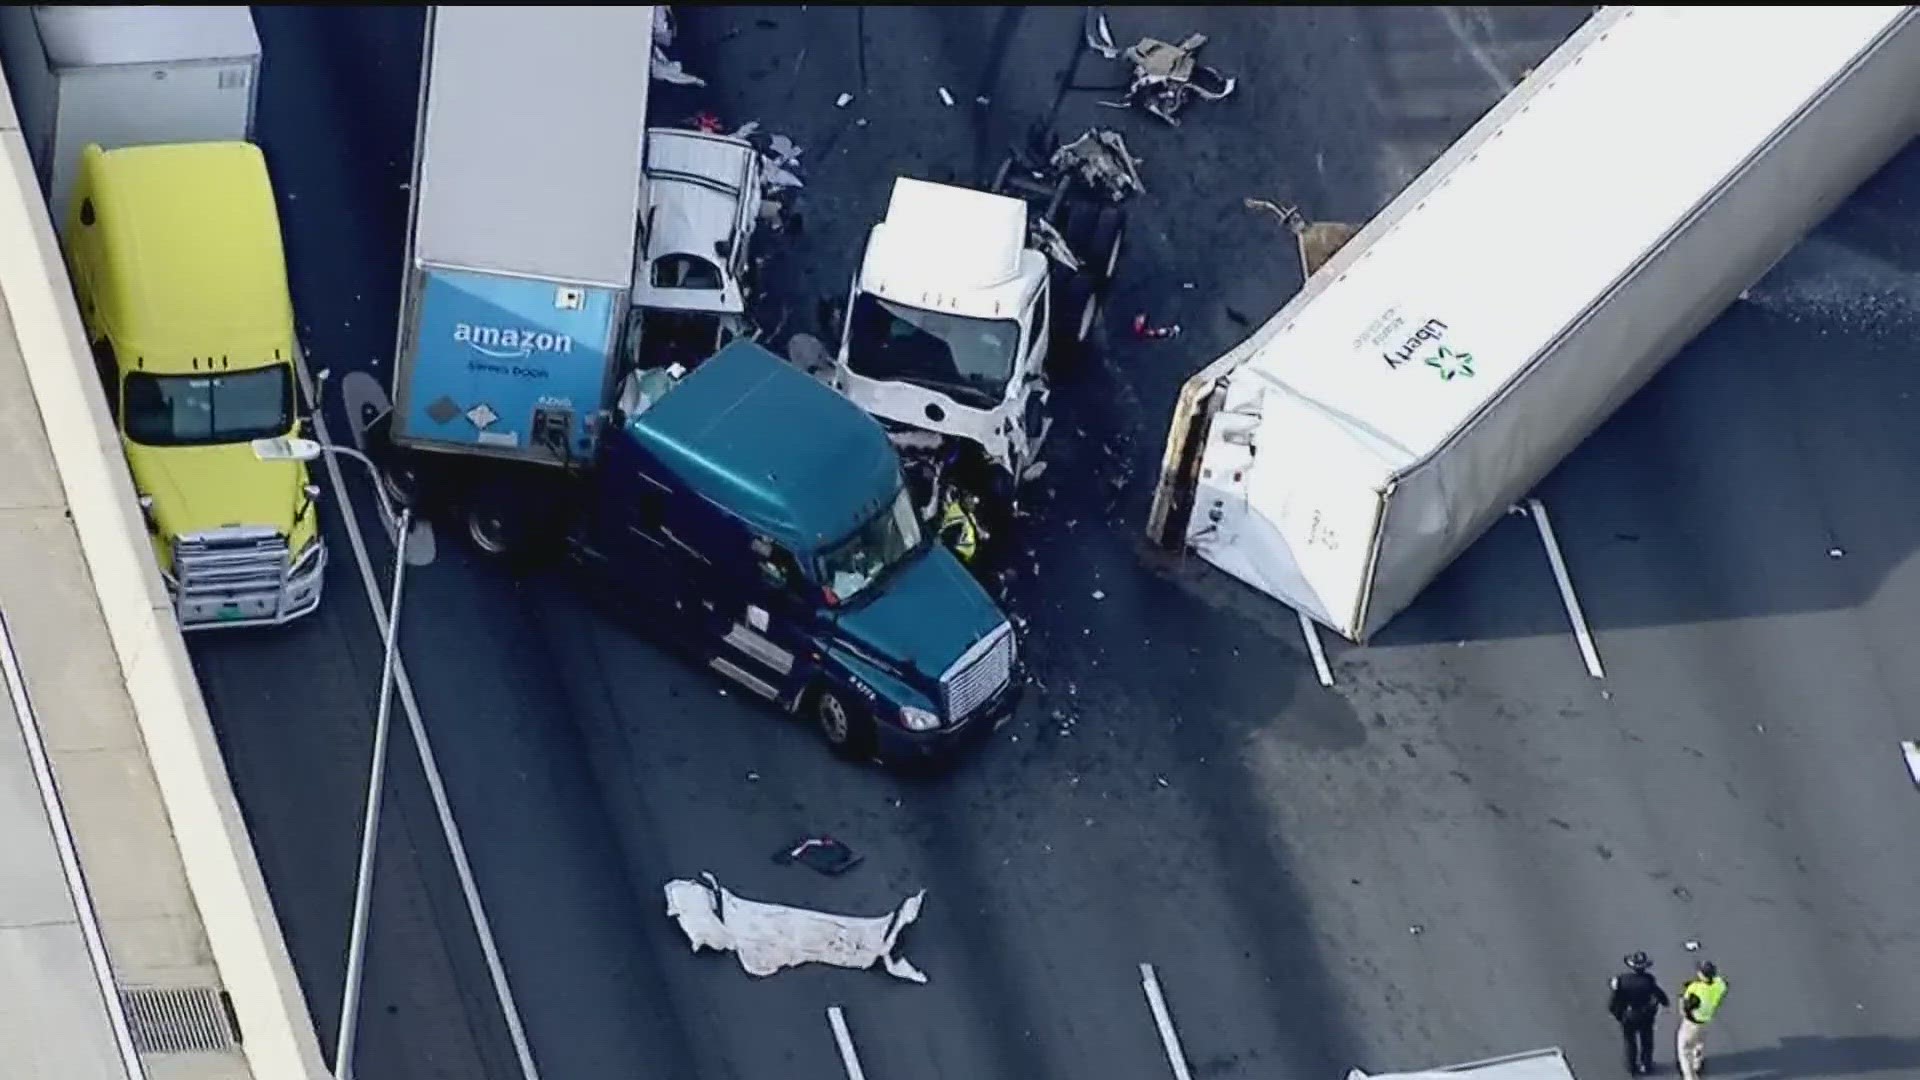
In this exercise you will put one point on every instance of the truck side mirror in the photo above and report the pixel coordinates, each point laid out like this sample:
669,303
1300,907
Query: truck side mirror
283,448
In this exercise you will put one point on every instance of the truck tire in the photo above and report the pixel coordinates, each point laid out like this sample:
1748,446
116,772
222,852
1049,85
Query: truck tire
493,530
842,722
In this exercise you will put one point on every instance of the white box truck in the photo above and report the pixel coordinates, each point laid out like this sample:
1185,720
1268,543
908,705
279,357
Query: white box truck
120,75
1453,352
520,310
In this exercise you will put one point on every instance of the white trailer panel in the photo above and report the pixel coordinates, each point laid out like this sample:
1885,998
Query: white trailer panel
529,158
1516,293
1534,1065
125,76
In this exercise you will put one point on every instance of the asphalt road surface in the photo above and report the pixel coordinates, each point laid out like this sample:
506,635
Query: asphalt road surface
1440,858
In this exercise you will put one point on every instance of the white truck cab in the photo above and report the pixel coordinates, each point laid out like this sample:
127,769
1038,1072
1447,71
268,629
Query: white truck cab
946,328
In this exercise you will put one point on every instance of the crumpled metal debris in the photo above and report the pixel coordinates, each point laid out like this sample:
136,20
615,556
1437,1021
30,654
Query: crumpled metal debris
779,156
663,69
1165,76
1102,161
1044,236
769,937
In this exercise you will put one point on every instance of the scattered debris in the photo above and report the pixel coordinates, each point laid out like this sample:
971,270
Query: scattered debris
810,354
1146,331
1416,929
663,69
779,178
1101,158
768,937
842,101
945,98
1165,76
821,853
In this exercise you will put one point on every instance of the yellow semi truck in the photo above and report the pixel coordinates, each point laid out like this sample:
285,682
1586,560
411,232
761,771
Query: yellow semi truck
177,263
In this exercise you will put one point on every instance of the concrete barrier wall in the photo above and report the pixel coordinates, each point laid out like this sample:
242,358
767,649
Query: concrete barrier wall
214,845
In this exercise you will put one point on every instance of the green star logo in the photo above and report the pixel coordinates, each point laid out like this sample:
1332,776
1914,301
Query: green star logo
1450,364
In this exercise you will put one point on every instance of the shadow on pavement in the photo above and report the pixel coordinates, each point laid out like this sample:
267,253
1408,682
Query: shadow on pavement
1812,1057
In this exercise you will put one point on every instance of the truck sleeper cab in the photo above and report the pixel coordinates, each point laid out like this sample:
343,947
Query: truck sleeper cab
772,515
176,261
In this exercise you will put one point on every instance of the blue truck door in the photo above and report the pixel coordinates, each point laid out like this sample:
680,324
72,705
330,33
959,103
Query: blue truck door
766,635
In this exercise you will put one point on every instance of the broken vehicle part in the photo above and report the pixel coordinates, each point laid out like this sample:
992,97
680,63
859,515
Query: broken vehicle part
1099,157
768,937
1318,240
820,853
1165,76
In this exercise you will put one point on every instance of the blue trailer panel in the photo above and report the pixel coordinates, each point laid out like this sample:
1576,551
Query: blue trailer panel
506,366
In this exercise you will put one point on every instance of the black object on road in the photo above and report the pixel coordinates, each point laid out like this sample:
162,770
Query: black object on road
822,853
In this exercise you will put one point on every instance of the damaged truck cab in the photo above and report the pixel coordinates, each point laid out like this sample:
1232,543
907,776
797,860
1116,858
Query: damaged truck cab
769,518
965,302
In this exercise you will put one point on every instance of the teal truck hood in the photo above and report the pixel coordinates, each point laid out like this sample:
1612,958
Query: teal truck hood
926,615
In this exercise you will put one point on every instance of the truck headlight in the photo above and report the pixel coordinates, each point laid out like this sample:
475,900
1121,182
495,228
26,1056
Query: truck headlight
307,556
918,719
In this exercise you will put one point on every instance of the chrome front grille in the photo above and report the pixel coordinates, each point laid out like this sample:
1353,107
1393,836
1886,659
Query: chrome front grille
224,561
978,675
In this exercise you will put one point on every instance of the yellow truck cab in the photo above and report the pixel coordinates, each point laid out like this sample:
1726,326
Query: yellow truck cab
176,258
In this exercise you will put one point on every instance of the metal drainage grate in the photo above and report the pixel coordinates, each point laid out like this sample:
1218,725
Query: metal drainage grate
179,1019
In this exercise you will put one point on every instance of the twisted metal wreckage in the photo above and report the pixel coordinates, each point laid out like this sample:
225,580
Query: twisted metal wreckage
1165,76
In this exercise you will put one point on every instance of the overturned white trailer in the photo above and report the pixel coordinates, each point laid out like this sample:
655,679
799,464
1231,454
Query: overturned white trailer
1532,1065
1452,353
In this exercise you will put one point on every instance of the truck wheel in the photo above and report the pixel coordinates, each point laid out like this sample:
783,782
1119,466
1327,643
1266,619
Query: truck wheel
492,531
846,726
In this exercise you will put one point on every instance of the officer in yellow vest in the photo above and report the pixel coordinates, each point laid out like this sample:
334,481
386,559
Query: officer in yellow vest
1699,1001
958,526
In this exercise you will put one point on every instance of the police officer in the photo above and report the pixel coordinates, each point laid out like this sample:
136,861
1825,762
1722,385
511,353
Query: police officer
1699,1001
1637,999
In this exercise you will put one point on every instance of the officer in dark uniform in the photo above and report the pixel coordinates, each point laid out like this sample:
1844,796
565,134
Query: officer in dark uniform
1637,999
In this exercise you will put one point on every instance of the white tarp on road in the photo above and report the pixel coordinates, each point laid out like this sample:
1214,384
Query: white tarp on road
768,937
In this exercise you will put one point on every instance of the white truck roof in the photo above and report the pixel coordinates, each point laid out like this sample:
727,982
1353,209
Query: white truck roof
78,37
530,150
1491,260
948,248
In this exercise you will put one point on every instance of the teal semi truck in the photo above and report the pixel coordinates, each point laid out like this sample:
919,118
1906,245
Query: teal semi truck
767,518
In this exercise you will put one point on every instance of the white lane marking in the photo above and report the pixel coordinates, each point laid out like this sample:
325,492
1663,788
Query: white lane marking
1169,1038
1314,649
844,1040
1538,511
1911,750
69,853
442,808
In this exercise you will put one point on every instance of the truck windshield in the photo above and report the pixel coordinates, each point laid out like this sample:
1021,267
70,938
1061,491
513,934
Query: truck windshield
886,540
971,359
207,410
